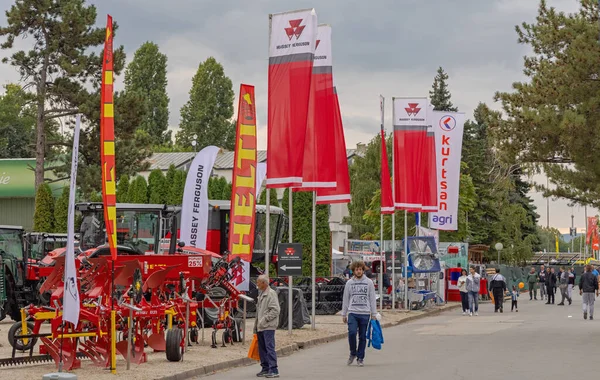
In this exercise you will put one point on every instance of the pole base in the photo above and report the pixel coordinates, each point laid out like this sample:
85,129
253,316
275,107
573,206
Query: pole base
59,376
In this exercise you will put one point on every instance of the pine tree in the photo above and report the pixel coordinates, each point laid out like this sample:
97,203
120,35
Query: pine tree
147,76
177,187
123,189
157,189
61,212
43,217
138,190
17,124
209,110
440,94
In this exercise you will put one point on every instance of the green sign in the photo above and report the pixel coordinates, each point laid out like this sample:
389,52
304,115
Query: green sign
17,179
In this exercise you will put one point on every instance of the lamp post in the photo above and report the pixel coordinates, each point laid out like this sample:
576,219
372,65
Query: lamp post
194,142
498,247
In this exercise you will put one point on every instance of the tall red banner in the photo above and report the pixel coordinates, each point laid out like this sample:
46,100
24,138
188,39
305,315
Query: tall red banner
292,42
341,193
243,194
319,158
387,203
107,142
430,194
410,133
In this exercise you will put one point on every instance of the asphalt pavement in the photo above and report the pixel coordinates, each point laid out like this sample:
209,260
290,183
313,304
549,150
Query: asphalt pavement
540,341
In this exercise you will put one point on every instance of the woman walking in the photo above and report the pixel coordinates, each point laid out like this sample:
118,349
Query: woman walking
464,293
473,283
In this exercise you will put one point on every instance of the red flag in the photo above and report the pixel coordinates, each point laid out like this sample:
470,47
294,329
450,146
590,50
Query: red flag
410,129
107,142
387,203
430,196
243,194
292,42
319,158
341,193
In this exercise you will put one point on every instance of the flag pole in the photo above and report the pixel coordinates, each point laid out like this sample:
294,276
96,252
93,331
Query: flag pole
406,259
381,261
394,213
314,253
290,279
267,230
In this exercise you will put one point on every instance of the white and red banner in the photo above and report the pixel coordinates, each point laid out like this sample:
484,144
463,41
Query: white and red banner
261,174
292,42
341,193
387,203
448,128
71,304
410,132
194,208
430,201
243,190
319,159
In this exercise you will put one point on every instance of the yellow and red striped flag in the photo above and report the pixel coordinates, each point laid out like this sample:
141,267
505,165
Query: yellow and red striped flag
107,142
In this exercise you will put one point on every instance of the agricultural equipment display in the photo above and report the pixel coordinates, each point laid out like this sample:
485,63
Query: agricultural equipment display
39,244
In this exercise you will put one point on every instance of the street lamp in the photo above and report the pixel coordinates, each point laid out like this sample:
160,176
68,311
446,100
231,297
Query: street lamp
498,247
195,136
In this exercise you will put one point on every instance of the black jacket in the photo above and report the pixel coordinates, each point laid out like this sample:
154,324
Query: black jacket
588,283
551,279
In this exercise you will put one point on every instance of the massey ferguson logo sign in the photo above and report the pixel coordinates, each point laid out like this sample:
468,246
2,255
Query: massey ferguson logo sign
412,109
295,29
290,251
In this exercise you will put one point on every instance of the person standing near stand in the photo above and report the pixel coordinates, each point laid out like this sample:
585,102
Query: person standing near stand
542,282
532,280
563,284
358,307
265,324
498,288
550,285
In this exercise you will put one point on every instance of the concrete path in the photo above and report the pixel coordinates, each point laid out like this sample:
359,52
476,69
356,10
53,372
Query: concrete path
547,341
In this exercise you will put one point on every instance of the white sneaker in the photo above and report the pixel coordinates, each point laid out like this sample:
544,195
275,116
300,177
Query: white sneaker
464,313
470,314
476,314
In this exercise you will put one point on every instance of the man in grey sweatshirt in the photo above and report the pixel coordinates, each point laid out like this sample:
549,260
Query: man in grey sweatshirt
358,307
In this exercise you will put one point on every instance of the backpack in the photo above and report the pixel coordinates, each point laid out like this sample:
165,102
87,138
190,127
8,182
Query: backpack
374,334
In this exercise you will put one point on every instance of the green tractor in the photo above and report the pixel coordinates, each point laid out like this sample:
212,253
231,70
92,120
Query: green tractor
16,290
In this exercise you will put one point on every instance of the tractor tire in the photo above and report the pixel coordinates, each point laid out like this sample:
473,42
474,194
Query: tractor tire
236,330
174,350
13,310
16,329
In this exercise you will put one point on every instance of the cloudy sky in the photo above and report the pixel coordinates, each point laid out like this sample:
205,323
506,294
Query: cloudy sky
388,47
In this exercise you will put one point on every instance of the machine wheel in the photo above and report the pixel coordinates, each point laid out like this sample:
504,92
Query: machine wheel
236,330
194,335
16,329
174,348
11,299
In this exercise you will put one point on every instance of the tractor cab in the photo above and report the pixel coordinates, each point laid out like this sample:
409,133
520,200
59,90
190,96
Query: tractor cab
13,269
39,244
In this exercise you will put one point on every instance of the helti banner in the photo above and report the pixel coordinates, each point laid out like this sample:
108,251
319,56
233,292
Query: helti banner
448,130
292,42
430,201
387,203
107,142
71,304
319,159
194,208
410,132
243,193
341,192
592,222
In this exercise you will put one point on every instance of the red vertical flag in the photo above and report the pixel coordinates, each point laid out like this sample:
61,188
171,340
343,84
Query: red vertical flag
387,203
292,41
341,193
107,142
410,132
319,158
243,194
430,195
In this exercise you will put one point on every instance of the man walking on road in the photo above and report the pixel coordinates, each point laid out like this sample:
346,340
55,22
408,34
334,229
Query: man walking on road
563,284
473,283
498,288
588,284
550,285
542,276
265,324
358,307
532,280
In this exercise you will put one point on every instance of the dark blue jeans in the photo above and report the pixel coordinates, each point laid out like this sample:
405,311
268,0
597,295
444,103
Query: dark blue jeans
357,323
266,350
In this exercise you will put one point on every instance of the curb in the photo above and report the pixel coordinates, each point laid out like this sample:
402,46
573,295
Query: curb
290,349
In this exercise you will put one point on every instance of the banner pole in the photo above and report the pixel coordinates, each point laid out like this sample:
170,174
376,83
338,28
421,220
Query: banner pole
381,261
314,254
290,279
267,231
394,213
406,259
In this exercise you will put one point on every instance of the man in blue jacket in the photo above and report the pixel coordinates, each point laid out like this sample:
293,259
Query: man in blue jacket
358,307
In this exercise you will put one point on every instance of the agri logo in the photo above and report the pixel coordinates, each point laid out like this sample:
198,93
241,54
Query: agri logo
295,29
290,251
447,123
412,109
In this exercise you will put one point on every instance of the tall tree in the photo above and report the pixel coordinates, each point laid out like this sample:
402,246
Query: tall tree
138,190
176,188
43,217
17,124
157,189
59,63
440,94
123,189
209,110
553,118
61,212
147,76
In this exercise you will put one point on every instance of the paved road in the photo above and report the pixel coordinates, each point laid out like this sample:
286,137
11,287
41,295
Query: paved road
540,341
